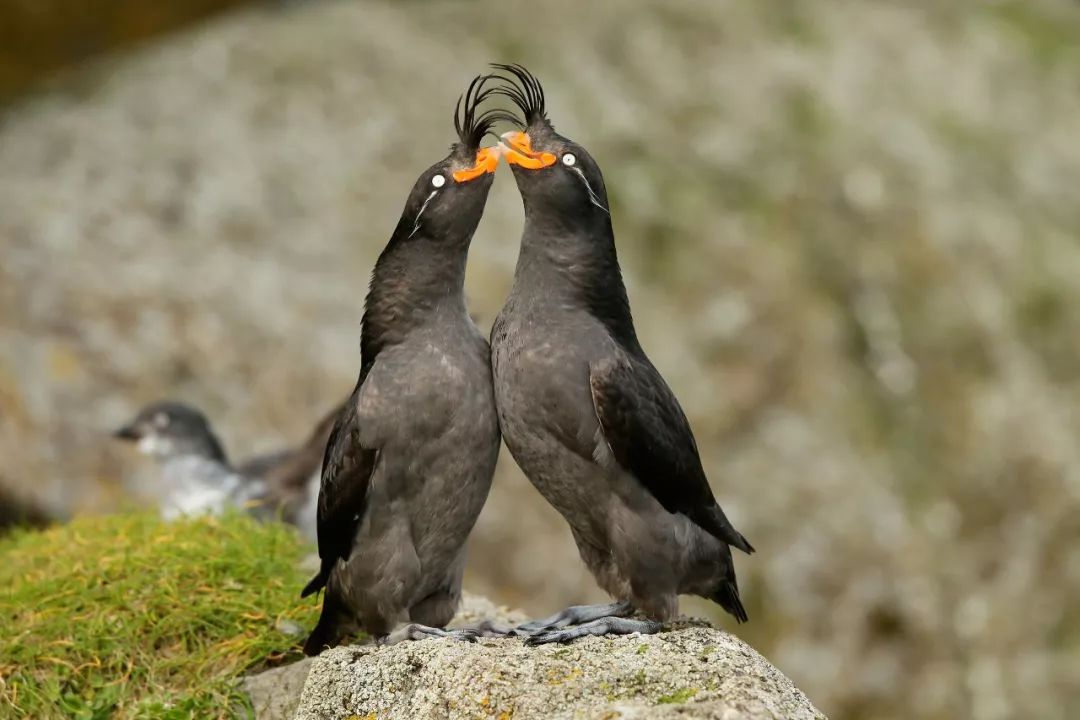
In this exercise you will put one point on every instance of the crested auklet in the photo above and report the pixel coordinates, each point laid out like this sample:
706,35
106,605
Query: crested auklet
585,414
411,457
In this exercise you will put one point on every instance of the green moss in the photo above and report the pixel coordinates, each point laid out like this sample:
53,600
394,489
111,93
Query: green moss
677,697
126,616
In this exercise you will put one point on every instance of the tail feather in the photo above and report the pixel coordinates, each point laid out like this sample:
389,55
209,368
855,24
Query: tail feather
327,631
727,597
322,637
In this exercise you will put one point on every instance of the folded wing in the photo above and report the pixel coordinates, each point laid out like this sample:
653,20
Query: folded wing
650,438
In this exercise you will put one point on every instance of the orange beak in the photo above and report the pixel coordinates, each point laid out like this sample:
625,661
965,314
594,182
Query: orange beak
487,159
517,147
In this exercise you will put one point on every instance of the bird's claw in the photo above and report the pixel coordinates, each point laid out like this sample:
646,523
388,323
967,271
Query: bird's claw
423,632
598,627
537,626
464,635
545,637
575,615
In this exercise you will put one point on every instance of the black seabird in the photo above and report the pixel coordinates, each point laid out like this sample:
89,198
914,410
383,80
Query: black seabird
410,459
584,412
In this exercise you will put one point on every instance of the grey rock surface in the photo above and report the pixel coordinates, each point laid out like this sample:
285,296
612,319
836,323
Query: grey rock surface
275,694
690,670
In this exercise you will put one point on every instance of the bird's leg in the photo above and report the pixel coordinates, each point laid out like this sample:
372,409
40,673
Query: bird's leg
601,626
416,631
576,615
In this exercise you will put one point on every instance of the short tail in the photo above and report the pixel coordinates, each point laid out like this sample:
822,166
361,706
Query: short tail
727,597
327,632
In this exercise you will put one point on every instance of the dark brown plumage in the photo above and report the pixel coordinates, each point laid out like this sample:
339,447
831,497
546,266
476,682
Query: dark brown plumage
583,410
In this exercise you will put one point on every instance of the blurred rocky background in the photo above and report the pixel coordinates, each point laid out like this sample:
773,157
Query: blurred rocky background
849,230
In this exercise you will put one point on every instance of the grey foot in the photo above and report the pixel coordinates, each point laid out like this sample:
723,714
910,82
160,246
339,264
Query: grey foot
491,629
576,615
416,631
602,626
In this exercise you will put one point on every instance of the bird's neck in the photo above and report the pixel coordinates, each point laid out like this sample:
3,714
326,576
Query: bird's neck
415,282
182,471
205,449
576,267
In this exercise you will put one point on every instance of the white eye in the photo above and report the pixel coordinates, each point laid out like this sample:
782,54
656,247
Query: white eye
568,159
438,180
161,420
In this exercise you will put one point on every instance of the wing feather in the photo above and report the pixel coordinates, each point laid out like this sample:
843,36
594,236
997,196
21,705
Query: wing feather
346,475
649,437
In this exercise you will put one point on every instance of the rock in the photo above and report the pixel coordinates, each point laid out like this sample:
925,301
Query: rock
288,627
475,608
691,670
275,693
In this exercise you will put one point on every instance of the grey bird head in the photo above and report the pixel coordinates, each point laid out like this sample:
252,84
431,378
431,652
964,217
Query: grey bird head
171,429
448,198
566,206
424,261
556,176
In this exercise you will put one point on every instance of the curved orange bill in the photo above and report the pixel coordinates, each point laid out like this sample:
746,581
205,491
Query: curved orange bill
517,147
487,159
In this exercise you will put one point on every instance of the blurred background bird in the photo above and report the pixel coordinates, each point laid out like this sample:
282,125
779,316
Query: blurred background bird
849,230
196,476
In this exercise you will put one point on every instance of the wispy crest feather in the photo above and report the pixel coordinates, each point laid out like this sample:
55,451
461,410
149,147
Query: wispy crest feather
524,90
470,126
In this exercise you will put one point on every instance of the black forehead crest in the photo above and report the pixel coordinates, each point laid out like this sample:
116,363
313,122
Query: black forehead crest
471,125
525,91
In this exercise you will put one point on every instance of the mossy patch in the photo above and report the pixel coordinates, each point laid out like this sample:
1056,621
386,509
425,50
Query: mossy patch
677,697
126,616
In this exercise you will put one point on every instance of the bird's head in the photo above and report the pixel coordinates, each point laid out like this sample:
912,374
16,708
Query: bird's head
554,174
449,197
169,429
